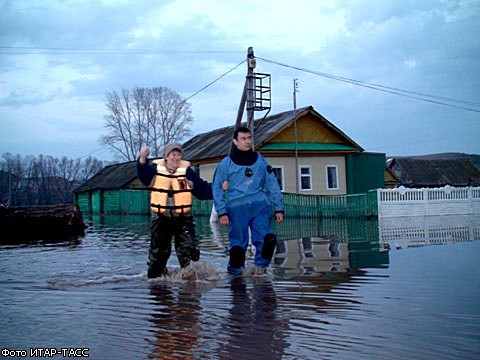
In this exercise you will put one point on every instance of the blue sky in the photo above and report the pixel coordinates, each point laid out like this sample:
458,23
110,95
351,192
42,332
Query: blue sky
58,59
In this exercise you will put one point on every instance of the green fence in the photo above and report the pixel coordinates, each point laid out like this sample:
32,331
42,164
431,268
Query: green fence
129,201
201,207
123,201
296,205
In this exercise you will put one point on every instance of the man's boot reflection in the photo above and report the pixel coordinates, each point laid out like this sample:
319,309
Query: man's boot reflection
175,319
256,328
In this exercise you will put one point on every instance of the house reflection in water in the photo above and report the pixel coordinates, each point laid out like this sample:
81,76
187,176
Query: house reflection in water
313,255
328,245
340,245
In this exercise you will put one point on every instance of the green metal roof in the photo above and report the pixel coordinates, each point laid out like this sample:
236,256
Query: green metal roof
307,147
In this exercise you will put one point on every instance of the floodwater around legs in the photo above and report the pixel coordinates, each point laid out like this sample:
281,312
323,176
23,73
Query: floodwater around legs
336,289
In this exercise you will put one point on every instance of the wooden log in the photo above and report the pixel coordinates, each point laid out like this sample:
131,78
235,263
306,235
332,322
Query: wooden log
55,223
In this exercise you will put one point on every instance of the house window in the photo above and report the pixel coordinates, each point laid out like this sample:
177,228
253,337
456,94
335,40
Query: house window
332,177
278,171
305,178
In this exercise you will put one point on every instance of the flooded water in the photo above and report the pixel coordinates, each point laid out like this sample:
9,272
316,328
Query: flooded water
337,289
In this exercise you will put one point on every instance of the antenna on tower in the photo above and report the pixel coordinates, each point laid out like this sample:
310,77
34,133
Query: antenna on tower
256,94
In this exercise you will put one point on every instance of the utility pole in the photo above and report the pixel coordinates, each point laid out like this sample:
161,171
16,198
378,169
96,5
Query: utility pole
251,63
297,176
256,95
247,94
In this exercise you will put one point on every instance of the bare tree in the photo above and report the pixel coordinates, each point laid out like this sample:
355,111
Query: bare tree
144,116
90,167
13,171
66,172
42,180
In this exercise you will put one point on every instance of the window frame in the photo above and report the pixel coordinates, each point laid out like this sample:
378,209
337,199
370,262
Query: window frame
300,176
282,175
327,182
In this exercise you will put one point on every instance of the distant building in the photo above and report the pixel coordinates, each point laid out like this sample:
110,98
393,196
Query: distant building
112,191
391,180
435,170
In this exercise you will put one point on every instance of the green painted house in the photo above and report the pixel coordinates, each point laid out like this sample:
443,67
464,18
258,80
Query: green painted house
113,190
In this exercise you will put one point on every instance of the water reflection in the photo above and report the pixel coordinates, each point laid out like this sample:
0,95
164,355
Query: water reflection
315,255
138,224
255,326
309,255
176,319
404,232
335,291
323,270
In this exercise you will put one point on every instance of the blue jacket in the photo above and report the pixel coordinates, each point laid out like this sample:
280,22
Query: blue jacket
247,183
201,189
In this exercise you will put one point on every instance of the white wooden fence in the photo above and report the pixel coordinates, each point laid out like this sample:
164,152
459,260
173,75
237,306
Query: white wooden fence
422,202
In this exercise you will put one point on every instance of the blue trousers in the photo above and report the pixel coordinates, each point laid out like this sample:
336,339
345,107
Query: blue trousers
256,217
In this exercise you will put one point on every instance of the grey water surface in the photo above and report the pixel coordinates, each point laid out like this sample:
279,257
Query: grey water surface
337,289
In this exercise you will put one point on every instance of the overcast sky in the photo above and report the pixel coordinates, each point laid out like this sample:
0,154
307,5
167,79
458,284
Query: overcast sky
59,58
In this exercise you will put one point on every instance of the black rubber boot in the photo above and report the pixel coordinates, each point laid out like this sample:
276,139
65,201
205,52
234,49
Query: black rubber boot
154,271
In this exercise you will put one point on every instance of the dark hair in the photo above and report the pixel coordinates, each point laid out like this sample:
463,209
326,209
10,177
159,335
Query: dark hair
240,129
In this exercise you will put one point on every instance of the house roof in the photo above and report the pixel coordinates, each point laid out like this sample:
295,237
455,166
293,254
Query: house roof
475,158
111,177
390,176
217,143
432,171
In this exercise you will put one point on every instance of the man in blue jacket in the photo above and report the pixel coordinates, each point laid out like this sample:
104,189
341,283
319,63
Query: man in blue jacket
171,183
247,203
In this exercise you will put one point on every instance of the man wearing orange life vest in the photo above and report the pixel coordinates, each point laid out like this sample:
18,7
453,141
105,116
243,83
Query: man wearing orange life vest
171,182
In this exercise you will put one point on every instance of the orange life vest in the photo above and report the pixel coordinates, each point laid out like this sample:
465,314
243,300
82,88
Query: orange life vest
165,183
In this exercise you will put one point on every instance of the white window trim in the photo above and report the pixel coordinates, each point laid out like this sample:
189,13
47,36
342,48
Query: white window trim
336,176
283,175
300,177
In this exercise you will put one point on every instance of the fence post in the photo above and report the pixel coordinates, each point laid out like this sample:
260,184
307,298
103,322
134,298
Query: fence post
426,201
379,202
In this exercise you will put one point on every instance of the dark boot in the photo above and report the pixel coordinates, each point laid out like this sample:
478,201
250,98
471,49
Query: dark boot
154,271
194,254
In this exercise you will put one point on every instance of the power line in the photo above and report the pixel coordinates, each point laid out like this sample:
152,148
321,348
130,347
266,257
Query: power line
19,50
191,96
387,89
214,81
103,149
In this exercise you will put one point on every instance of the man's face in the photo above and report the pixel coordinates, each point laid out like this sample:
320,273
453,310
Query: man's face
243,141
173,159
